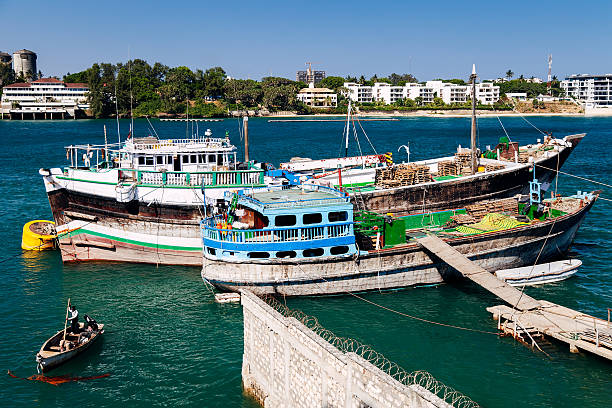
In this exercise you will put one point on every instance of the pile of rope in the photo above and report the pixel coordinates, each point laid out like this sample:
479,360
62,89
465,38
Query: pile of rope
348,345
491,222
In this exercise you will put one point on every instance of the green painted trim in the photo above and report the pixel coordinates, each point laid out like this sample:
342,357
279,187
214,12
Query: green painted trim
86,181
128,241
165,185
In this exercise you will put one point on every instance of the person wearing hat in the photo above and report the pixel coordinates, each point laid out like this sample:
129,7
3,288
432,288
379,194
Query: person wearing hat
74,320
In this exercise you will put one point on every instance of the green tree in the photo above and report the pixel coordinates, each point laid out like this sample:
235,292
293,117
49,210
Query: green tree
332,82
418,101
245,91
214,80
7,75
509,74
279,93
401,80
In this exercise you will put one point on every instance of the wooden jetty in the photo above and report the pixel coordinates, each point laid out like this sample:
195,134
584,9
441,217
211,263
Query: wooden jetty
476,273
578,330
529,318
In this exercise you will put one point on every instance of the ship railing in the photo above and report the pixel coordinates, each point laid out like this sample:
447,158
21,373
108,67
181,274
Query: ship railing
213,142
212,232
236,178
246,197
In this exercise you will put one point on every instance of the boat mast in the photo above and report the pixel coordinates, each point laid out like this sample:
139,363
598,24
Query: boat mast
348,124
245,130
473,134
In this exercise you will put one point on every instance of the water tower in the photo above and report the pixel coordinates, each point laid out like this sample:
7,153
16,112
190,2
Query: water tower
24,63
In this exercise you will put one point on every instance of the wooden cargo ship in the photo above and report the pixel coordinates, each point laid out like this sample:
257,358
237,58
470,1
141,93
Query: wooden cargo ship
308,241
142,200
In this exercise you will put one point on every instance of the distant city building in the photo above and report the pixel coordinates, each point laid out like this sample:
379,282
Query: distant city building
486,93
519,96
593,91
310,76
533,80
24,64
45,98
318,97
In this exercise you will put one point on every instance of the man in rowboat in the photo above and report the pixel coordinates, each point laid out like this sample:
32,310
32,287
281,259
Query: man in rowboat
74,320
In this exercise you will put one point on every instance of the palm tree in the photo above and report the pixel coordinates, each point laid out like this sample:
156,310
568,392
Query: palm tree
509,74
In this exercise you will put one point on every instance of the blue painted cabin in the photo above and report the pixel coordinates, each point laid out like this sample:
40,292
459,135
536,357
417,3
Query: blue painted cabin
281,222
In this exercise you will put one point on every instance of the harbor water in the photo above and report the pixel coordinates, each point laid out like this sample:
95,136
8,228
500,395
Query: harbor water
168,344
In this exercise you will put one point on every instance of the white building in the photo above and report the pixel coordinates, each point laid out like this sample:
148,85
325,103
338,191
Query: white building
519,96
487,93
318,97
45,98
593,91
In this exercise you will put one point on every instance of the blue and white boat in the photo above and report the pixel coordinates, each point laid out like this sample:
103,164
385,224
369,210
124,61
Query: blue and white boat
279,223
306,240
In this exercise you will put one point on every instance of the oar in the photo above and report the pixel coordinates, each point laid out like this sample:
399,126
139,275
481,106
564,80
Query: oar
66,321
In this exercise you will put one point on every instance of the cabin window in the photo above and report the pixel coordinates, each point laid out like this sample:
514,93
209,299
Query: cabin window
259,255
314,218
202,158
159,159
219,159
141,160
338,216
211,158
339,250
169,159
185,159
194,158
286,254
309,253
284,220
211,250
149,160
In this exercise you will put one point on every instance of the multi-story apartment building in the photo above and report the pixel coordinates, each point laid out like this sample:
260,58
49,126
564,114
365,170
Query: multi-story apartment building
593,91
309,76
45,98
487,93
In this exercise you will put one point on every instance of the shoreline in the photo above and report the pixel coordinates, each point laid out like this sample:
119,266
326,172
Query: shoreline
430,114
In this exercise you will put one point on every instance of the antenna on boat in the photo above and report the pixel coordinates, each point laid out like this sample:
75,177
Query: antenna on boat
131,94
117,111
348,121
473,132
187,123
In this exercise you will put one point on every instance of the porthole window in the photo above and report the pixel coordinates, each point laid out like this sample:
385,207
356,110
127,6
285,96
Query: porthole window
338,216
259,255
285,220
309,253
211,251
286,254
314,218
339,250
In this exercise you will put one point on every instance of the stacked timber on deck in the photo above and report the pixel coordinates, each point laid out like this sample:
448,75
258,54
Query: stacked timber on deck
507,206
402,175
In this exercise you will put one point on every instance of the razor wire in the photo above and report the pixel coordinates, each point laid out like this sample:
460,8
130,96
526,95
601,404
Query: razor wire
348,345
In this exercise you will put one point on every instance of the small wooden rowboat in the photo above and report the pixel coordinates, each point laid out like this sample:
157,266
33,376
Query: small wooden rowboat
51,355
539,274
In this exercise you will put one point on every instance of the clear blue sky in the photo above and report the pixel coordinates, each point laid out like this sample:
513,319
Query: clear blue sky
430,39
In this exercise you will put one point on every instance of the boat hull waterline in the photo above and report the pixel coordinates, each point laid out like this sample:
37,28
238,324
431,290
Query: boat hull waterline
398,267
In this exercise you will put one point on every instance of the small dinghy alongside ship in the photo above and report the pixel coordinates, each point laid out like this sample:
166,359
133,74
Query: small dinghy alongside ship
540,274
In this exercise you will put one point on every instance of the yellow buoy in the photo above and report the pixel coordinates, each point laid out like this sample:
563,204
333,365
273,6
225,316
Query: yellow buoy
481,169
38,235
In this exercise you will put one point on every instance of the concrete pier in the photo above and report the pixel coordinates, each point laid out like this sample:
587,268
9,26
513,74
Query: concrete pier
286,364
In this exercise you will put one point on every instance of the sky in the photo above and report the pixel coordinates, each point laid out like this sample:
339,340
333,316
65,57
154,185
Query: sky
252,39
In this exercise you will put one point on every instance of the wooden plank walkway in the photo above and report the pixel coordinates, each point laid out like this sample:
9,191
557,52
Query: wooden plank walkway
477,274
580,331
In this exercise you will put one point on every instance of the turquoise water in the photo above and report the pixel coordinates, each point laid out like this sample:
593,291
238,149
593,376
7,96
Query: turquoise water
168,343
